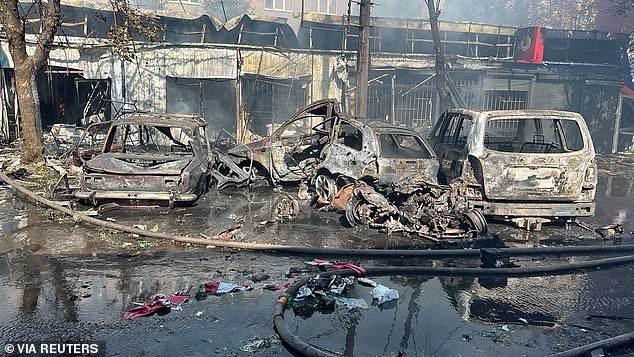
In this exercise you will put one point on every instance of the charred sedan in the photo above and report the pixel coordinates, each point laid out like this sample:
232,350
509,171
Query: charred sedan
321,144
150,157
526,166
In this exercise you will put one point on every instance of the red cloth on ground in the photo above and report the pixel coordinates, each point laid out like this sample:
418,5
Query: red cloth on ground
338,266
160,302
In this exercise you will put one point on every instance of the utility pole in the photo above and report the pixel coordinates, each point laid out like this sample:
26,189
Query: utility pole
363,58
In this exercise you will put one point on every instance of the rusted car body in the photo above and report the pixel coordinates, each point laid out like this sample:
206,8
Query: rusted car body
527,166
320,143
155,157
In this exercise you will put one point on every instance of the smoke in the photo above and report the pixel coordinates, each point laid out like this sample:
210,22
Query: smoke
404,9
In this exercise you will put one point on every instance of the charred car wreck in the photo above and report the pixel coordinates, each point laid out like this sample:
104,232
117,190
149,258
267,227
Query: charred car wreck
382,176
413,205
332,149
529,167
149,157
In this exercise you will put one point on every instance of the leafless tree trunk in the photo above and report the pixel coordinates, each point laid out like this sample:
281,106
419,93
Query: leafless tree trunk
363,58
441,77
27,66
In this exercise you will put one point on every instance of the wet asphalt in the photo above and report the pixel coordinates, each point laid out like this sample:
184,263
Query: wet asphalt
65,281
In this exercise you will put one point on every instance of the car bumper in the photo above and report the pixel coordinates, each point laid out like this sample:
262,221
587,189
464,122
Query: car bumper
135,195
535,209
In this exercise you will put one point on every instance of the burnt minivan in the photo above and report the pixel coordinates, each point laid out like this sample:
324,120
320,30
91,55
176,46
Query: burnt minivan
523,165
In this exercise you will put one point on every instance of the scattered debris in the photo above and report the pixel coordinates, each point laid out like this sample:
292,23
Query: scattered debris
367,282
227,234
495,258
302,192
256,278
258,343
610,231
286,209
274,287
413,205
293,272
351,303
383,294
219,288
160,303
318,294
323,264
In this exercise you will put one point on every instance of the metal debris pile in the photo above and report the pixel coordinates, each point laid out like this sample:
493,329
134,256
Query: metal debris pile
413,205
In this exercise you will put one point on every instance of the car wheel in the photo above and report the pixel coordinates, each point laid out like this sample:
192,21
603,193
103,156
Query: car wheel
359,212
477,220
325,187
256,174
351,214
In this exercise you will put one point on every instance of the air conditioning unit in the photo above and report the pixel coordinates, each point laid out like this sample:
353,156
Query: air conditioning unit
529,45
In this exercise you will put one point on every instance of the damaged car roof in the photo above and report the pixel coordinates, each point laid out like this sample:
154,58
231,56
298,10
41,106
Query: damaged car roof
158,119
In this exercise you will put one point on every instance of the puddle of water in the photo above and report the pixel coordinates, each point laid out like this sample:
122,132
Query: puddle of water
70,297
84,299
615,202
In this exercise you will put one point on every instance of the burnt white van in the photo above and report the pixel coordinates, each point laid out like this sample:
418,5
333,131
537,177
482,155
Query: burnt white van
530,166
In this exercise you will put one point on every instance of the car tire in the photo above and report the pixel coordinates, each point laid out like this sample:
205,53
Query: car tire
477,220
351,207
325,187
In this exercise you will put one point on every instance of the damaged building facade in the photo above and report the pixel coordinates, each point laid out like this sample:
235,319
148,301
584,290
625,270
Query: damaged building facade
248,75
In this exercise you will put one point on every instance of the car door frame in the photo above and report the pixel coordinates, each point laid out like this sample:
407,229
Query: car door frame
451,151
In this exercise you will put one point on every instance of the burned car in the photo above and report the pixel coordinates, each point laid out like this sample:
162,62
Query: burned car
150,157
527,166
382,176
321,144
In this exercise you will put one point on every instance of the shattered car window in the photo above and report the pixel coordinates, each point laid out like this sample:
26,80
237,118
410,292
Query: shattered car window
350,136
146,139
301,127
533,135
572,134
403,146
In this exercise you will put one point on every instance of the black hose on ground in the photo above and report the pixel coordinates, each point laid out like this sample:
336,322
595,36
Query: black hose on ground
610,343
307,349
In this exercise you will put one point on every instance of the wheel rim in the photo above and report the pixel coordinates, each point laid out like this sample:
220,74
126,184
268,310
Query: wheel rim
477,220
358,212
351,215
325,187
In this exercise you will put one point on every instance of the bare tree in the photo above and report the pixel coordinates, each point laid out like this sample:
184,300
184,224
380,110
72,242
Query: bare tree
26,66
127,21
433,6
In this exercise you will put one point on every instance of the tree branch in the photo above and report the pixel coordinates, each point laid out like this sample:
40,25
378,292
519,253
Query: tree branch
15,27
50,23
